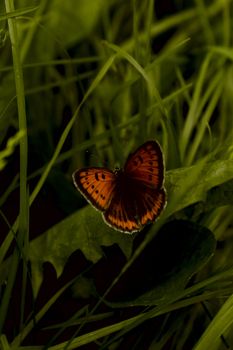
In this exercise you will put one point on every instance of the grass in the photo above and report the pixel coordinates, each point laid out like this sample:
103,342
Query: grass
86,87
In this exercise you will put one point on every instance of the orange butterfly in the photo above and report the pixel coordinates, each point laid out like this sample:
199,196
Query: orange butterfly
131,197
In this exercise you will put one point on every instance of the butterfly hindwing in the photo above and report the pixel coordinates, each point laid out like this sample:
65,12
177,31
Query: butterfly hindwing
97,185
121,214
146,165
130,213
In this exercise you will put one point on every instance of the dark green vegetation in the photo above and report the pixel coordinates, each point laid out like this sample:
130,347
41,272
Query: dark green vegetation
83,82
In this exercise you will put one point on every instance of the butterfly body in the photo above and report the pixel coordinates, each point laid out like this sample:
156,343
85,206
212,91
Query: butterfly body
131,197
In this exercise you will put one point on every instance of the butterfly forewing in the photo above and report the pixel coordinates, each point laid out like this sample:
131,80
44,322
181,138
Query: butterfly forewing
146,165
97,185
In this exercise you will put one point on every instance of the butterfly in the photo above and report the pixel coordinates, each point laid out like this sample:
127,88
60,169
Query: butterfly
131,197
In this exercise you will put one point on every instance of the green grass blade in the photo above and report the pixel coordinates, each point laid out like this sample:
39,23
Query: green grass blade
65,133
7,242
17,13
23,224
27,329
192,117
204,124
151,86
207,30
210,339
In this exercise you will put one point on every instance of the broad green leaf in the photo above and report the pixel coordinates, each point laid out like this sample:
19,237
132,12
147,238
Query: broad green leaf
84,230
190,185
180,249
219,196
